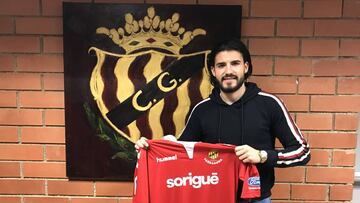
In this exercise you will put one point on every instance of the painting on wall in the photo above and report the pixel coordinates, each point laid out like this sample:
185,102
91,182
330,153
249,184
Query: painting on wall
133,70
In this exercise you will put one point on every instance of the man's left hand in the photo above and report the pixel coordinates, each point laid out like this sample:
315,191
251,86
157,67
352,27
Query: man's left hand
247,154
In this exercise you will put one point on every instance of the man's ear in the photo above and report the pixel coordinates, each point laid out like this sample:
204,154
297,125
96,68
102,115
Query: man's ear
246,67
212,70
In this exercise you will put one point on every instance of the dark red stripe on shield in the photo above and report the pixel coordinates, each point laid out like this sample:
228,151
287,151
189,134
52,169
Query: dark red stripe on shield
136,75
170,103
110,82
194,90
136,71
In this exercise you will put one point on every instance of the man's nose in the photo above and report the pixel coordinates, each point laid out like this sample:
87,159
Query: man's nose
228,68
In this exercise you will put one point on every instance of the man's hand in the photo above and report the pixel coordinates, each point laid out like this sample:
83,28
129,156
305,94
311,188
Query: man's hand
247,154
141,143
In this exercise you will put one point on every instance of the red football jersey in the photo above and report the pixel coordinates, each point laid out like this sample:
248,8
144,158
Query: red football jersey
183,172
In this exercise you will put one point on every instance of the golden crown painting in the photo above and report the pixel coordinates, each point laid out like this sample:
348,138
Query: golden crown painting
133,70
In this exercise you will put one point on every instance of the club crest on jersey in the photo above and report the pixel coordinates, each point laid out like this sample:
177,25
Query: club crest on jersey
213,154
254,183
213,158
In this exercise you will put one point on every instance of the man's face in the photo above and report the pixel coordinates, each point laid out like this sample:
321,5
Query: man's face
229,70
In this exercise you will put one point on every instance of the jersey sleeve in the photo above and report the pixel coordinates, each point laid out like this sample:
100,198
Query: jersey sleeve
249,174
141,179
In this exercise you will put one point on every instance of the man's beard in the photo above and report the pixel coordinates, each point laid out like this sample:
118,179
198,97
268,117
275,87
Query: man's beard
240,82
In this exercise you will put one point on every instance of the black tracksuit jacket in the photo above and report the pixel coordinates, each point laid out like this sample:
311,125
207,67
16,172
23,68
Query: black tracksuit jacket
256,119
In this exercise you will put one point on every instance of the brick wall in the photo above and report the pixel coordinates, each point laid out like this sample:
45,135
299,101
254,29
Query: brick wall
305,51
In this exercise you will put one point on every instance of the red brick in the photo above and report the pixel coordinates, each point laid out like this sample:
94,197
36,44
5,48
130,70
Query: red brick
329,175
55,153
296,102
10,81
21,152
41,63
276,84
46,199
280,191
19,7
53,81
54,7
243,3
341,67
118,1
346,122
30,25
52,135
309,192
343,158
258,27
18,187
351,8
41,99
340,28
44,170
8,99
332,140
9,134
262,65
6,25
324,103
95,200
272,46
320,47
349,47
314,121
171,2
341,192
54,117
293,174
348,86
56,187
275,8
10,169
319,157
20,117
295,28
311,85
53,45
292,66
125,200
114,188
10,199
322,8
7,63
19,44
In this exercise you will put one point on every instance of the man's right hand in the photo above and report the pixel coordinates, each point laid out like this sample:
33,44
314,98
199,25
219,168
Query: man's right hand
141,143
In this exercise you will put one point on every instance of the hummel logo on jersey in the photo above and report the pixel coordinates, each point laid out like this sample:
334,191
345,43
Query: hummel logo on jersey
194,181
168,158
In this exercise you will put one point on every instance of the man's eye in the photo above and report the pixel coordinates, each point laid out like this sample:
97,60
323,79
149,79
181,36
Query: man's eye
220,65
235,63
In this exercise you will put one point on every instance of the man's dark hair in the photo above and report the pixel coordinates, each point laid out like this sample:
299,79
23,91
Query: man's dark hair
232,44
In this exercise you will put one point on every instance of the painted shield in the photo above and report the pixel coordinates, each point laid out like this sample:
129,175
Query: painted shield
149,93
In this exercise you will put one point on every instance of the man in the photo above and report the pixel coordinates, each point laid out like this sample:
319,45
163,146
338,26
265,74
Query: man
239,113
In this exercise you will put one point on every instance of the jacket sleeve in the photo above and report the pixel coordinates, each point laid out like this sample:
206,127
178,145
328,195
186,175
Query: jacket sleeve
295,150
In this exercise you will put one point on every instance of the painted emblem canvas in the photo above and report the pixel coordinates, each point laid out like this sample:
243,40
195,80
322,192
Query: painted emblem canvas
131,71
